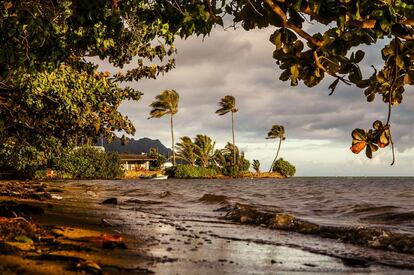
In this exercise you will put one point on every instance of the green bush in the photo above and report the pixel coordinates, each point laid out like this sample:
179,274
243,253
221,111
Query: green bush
89,163
284,167
188,171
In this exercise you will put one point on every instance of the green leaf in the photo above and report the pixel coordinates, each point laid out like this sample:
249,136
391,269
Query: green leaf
359,134
333,85
359,55
24,239
377,125
368,152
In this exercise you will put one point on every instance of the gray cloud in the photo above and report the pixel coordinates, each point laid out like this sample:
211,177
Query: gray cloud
240,63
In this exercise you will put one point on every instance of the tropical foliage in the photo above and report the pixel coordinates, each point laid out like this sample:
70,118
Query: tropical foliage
336,51
284,167
224,160
277,131
200,152
159,159
185,150
228,104
204,150
83,162
256,165
190,171
166,103
88,163
43,47
50,89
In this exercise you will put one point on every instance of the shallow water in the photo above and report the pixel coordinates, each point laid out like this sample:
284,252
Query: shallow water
383,202
191,205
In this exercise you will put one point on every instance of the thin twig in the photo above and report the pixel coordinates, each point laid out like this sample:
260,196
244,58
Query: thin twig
286,24
258,12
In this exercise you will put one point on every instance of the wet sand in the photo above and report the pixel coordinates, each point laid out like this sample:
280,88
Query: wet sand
162,241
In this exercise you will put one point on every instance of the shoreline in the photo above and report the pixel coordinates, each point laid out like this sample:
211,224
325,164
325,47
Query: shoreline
158,242
250,175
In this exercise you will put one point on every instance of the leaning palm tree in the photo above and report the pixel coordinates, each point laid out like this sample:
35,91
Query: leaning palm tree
204,149
166,103
186,150
256,165
228,104
277,131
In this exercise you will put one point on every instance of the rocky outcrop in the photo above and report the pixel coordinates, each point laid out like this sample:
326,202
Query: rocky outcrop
366,236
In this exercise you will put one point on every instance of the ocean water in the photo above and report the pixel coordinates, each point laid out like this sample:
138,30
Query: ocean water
174,205
378,202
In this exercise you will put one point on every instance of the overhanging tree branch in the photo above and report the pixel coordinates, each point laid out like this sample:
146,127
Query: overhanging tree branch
276,9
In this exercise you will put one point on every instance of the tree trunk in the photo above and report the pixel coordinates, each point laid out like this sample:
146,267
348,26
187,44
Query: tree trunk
277,153
234,145
172,140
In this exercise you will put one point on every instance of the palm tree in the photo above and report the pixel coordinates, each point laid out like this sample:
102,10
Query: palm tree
256,165
185,150
228,104
204,149
277,131
166,103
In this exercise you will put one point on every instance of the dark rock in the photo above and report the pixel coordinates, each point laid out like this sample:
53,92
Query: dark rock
110,201
40,189
212,198
354,262
12,209
247,214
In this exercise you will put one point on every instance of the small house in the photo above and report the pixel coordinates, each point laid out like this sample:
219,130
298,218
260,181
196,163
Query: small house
135,162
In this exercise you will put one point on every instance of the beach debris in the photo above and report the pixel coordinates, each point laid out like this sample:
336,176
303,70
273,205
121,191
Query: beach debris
56,197
89,267
17,229
91,193
106,241
110,201
105,222
24,239
24,190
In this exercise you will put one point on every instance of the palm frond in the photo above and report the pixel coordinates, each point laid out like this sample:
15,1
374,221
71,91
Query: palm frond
277,131
165,103
227,104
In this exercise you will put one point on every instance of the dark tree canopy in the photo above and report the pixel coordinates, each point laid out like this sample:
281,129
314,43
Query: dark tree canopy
48,86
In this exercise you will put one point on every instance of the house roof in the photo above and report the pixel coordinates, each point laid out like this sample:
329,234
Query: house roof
134,157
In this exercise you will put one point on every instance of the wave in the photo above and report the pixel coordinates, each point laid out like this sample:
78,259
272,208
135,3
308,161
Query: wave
367,236
214,199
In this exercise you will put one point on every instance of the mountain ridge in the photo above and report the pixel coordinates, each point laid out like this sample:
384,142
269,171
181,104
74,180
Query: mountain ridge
133,146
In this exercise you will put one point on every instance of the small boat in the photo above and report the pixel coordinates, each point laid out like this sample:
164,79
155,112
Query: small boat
160,177
146,177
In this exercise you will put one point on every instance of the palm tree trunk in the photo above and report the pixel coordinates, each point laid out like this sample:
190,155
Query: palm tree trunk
234,145
172,139
277,153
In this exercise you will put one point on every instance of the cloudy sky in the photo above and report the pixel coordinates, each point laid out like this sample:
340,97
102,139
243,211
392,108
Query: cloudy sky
317,126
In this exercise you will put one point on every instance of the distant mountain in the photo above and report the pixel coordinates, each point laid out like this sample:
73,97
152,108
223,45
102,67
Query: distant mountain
133,146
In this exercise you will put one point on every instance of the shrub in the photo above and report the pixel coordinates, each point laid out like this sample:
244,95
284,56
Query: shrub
189,171
284,167
89,163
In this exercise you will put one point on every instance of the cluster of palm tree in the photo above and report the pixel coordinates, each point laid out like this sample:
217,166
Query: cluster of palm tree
201,152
